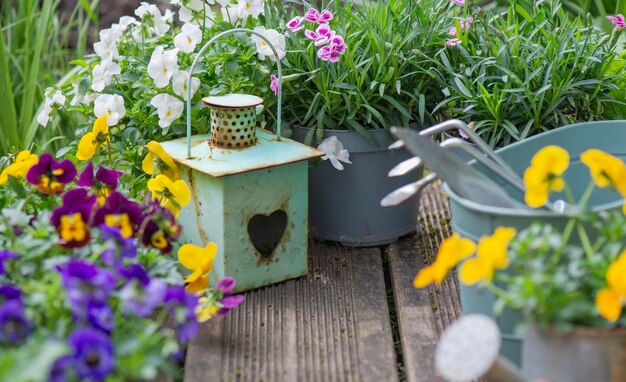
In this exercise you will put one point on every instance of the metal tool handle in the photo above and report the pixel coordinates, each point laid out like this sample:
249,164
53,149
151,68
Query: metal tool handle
197,59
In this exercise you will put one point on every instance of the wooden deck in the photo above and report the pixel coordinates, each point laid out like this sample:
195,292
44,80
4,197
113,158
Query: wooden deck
355,317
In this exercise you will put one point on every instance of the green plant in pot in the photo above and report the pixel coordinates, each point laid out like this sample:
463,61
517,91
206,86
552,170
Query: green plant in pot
527,70
569,283
349,102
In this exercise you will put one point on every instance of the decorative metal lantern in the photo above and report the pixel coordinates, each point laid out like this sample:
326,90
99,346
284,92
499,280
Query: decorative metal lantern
249,190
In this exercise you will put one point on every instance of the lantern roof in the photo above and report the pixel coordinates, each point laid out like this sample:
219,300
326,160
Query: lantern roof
218,162
232,101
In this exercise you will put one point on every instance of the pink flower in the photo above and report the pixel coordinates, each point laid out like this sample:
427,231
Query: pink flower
314,16
465,24
296,24
274,85
459,2
452,42
332,51
322,35
618,21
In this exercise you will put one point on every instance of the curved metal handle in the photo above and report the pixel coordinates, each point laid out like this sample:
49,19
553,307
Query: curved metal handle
197,59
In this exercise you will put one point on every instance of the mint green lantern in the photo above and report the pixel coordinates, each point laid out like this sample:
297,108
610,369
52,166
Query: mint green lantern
248,190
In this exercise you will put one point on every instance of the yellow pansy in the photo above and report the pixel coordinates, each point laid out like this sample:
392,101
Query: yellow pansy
121,222
205,310
73,228
200,261
93,140
610,300
492,255
160,161
451,251
606,170
24,160
172,195
544,175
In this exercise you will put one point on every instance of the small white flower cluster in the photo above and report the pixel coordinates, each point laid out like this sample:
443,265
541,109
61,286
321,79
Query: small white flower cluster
54,101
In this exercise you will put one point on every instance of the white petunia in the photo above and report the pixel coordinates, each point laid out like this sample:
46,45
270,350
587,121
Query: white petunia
103,74
334,151
179,84
169,108
112,105
275,38
251,7
188,38
52,103
162,66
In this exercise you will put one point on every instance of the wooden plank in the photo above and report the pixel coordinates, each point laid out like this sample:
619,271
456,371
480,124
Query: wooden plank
423,314
332,325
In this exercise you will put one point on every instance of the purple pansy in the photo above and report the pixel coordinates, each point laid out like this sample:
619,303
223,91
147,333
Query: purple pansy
121,213
322,35
177,299
60,371
314,16
160,228
296,24
51,176
618,21
14,326
71,219
275,85
85,282
120,248
6,255
92,357
228,301
103,182
141,295
10,293
331,52
100,316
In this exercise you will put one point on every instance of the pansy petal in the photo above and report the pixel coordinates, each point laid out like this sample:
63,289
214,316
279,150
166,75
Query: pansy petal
609,304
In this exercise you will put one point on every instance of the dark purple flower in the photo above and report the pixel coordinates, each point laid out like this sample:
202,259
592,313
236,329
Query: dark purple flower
85,282
120,248
141,295
100,316
72,218
60,371
93,357
14,326
51,176
6,255
103,182
9,293
159,228
179,300
121,213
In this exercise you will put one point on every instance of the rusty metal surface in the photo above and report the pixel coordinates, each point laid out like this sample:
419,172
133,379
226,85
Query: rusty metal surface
267,152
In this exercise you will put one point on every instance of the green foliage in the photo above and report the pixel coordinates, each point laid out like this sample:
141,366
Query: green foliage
529,70
34,55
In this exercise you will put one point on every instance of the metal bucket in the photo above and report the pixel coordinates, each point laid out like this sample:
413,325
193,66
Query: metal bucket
583,355
473,220
344,206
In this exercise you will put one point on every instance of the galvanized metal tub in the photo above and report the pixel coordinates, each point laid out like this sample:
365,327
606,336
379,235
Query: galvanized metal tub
473,220
582,355
344,206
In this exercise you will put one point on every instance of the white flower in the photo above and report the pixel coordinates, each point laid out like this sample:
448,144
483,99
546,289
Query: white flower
162,66
106,51
112,105
263,48
234,14
103,74
179,84
251,7
333,150
51,103
168,107
150,12
188,38
185,14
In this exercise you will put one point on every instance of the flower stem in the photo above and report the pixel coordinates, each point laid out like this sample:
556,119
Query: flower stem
587,194
567,233
110,153
584,239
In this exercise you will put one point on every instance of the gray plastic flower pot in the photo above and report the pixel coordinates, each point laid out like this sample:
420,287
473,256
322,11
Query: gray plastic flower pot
473,220
344,206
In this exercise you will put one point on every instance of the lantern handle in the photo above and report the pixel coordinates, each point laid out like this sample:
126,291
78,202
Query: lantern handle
197,59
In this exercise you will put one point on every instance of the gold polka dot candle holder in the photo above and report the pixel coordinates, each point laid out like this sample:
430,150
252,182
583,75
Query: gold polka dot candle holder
233,120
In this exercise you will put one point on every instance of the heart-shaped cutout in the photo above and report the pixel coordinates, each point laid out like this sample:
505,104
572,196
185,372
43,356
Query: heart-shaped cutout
266,232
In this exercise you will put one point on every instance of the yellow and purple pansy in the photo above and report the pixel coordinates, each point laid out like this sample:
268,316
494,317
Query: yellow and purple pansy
71,219
120,213
103,182
51,176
